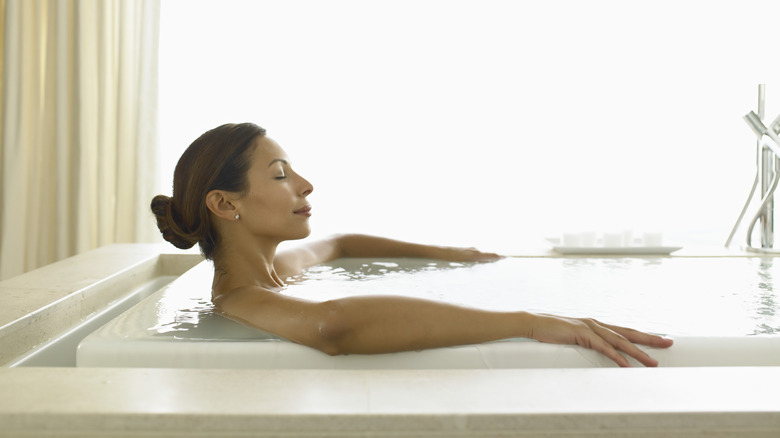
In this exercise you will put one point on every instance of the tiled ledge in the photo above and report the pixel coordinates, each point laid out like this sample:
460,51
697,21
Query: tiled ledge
721,402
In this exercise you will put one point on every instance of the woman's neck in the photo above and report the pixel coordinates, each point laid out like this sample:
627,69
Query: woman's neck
244,265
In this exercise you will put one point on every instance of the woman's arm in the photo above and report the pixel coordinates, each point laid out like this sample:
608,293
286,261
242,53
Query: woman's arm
383,324
293,261
360,245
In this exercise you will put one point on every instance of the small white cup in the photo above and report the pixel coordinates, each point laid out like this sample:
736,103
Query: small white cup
571,239
628,237
588,238
613,240
654,239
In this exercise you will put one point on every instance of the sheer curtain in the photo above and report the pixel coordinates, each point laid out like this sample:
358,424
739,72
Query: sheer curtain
79,127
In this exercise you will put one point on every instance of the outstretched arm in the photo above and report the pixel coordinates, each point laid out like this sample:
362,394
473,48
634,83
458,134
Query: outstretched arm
360,245
293,261
383,324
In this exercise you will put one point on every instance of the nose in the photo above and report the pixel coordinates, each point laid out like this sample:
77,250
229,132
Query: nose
306,187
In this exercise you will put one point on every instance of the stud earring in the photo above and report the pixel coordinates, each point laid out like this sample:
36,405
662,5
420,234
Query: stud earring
236,216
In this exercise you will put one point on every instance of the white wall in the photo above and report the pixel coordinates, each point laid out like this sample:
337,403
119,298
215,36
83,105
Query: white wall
481,122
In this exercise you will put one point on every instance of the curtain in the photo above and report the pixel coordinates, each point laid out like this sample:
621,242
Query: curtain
78,131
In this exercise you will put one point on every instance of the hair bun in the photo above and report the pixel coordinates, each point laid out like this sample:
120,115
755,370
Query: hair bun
168,223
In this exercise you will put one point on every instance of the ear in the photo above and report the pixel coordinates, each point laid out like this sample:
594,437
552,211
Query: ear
221,204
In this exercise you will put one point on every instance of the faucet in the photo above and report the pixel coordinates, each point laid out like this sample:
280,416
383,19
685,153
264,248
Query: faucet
767,173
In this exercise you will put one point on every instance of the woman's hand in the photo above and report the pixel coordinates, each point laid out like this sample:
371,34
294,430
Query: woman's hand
464,255
608,340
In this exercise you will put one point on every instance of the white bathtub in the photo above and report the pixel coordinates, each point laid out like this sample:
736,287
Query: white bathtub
720,311
40,307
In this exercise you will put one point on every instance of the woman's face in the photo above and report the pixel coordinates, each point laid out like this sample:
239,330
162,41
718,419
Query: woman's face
275,204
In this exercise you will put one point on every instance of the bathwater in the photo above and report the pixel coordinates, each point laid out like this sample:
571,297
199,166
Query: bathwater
673,296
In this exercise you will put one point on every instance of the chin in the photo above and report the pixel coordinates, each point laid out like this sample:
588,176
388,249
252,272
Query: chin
301,235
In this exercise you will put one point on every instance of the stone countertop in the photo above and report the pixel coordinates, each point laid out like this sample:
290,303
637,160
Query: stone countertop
542,402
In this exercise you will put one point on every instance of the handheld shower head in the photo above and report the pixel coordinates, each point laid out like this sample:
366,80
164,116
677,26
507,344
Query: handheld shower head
755,124
767,137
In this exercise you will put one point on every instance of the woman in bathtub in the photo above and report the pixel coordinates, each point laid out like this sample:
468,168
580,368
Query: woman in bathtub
237,196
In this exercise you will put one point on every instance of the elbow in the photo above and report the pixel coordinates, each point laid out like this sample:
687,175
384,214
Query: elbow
338,243
332,330
330,349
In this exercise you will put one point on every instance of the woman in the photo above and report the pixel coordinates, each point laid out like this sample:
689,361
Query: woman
237,196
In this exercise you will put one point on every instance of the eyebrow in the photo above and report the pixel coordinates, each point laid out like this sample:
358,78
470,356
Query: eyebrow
277,160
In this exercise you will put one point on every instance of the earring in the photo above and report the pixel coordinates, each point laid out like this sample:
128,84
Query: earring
236,216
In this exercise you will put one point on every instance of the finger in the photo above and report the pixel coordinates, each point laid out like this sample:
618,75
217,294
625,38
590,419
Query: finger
642,338
473,254
620,343
489,256
599,344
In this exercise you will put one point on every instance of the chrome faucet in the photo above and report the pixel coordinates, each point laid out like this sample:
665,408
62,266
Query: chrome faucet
767,173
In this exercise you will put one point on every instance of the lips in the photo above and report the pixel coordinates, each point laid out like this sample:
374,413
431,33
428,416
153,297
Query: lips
304,211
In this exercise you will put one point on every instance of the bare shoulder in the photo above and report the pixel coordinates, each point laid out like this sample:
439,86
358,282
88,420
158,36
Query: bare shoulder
274,312
239,303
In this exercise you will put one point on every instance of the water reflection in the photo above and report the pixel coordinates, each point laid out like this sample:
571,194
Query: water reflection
766,303
196,319
370,269
182,315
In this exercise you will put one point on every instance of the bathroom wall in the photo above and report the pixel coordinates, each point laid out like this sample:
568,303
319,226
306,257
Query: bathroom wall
463,121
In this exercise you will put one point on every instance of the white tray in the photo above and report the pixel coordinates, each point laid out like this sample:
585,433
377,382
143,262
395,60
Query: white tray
599,249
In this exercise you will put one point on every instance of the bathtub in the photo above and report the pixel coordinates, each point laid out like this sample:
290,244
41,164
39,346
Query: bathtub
47,395
721,312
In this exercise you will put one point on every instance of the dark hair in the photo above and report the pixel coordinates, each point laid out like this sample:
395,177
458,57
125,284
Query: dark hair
218,160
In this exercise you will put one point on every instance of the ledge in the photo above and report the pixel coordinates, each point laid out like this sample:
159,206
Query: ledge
226,403
39,305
